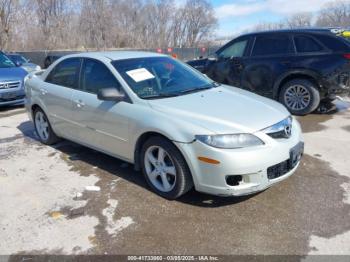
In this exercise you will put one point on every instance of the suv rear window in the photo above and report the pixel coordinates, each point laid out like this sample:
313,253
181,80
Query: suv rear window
334,43
272,45
305,44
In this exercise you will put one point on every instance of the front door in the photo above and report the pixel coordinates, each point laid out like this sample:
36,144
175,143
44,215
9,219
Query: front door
230,63
103,124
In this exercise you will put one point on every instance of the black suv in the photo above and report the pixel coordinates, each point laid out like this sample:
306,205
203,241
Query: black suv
300,68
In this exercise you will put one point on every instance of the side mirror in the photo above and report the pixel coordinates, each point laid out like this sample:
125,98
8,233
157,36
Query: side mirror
110,94
18,64
213,57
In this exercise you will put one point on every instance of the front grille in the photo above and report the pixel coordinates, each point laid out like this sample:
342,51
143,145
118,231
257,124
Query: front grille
282,129
12,98
10,84
278,170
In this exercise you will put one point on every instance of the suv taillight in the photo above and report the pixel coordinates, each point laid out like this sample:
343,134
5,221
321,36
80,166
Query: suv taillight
346,56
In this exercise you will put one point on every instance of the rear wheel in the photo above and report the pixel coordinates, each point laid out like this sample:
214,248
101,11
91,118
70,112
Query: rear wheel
43,128
165,169
300,96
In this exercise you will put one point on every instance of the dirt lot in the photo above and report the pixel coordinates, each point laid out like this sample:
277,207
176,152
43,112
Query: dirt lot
45,208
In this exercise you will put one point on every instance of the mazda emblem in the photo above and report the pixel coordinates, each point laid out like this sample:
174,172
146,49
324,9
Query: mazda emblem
288,130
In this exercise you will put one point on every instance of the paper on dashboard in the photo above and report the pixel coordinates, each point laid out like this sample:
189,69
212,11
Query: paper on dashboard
140,74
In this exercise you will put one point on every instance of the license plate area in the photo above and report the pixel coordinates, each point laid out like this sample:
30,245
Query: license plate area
295,154
8,95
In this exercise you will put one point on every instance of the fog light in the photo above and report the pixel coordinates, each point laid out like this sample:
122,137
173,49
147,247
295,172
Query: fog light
234,180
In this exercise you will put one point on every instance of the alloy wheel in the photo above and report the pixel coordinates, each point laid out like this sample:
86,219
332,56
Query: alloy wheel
160,168
42,125
297,97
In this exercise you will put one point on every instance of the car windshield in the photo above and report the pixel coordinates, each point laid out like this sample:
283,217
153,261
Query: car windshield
5,62
157,77
18,59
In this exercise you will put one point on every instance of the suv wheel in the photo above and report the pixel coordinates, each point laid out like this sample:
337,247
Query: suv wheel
165,169
43,128
300,96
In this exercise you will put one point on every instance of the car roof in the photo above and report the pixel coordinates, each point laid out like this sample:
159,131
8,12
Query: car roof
299,30
117,55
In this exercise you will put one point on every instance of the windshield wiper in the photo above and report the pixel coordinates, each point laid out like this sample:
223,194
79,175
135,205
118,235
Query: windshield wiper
188,91
198,89
161,95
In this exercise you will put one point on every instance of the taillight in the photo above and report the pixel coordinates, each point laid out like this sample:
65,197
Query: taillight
346,56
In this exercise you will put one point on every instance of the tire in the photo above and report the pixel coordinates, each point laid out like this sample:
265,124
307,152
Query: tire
49,139
180,183
300,96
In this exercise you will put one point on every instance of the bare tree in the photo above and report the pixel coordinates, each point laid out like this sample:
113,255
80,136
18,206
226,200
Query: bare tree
262,26
298,20
199,21
101,24
336,13
95,22
52,18
8,10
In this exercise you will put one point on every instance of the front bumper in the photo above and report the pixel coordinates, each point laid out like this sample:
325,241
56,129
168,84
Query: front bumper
251,164
12,97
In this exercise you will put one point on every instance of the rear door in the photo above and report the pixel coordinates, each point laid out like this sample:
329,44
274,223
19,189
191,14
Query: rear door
102,124
230,64
57,92
323,54
271,56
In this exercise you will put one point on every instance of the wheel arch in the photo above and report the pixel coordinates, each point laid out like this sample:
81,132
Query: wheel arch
141,140
299,74
33,108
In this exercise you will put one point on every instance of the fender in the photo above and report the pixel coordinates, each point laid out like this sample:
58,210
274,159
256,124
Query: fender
297,72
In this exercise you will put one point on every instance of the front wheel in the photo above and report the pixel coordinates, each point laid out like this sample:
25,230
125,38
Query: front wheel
165,169
43,128
300,96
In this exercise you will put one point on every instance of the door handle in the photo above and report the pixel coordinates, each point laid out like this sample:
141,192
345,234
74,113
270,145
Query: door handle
43,91
79,103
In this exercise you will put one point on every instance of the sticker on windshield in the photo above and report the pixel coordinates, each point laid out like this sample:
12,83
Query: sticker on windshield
140,74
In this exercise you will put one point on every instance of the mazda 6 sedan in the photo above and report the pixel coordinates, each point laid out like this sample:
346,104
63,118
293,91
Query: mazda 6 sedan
179,127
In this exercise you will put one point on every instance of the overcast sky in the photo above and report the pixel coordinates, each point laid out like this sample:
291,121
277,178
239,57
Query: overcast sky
236,16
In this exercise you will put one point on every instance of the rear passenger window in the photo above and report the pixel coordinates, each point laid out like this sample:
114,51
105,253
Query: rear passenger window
95,76
272,45
305,44
334,43
66,73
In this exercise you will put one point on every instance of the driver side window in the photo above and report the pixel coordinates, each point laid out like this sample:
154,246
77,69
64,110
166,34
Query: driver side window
235,50
95,76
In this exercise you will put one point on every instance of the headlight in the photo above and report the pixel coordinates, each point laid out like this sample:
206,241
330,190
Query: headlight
230,141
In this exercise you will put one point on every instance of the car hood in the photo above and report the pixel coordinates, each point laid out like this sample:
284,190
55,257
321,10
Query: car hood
223,110
12,73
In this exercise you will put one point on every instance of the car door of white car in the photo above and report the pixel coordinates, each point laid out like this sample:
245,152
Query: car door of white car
56,92
104,124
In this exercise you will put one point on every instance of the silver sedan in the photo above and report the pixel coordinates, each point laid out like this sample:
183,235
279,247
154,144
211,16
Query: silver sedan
179,127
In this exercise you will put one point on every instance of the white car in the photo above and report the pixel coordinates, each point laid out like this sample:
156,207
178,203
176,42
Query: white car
175,124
